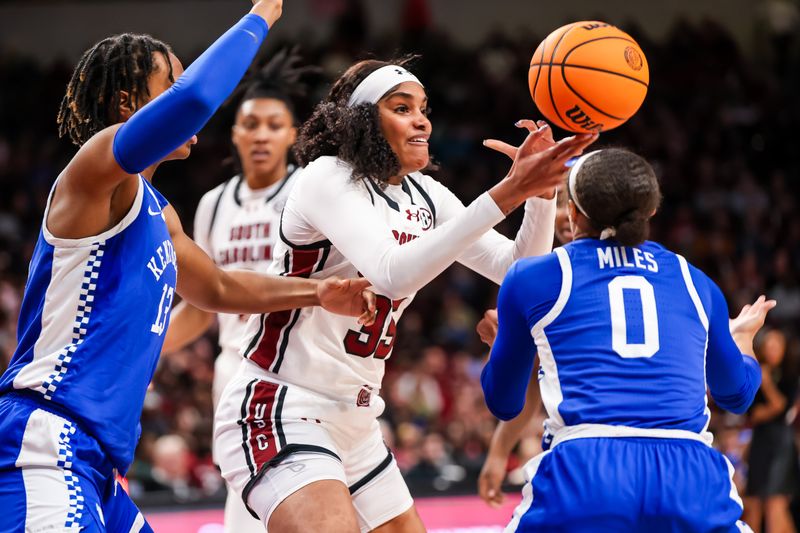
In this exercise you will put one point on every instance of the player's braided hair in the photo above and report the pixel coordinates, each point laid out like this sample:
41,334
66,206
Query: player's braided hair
353,134
280,78
120,63
619,189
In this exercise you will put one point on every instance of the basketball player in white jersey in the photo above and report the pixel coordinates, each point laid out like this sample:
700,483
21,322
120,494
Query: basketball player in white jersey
236,223
296,429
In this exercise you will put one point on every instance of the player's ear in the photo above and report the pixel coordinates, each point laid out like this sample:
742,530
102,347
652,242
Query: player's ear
572,211
292,135
126,106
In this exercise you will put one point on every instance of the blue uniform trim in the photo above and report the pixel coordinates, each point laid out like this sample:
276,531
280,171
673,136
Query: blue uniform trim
86,297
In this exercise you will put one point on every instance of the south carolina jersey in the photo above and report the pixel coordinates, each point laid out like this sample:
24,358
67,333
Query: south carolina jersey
628,337
399,237
92,323
238,227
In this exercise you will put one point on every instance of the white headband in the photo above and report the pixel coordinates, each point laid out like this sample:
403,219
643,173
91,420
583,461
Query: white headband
607,233
373,87
571,178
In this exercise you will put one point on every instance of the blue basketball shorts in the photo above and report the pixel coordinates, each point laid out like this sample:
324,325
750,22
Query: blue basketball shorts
54,477
636,484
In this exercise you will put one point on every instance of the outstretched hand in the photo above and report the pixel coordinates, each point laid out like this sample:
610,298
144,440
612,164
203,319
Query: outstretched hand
543,142
751,318
269,10
348,297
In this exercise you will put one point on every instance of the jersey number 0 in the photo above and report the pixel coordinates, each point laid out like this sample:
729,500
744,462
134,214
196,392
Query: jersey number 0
619,317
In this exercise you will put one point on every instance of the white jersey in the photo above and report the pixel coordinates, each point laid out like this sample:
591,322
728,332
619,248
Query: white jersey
400,238
238,227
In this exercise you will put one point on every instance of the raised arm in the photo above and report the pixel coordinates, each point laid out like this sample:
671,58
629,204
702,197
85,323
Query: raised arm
492,254
346,217
99,183
732,372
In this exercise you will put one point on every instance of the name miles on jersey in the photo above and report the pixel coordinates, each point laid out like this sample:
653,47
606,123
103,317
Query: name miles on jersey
620,256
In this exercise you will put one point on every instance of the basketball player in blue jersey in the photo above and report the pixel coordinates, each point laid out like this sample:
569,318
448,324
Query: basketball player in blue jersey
629,336
103,275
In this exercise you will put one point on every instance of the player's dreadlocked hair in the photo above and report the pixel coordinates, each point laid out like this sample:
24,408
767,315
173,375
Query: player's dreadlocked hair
119,63
281,78
619,189
353,134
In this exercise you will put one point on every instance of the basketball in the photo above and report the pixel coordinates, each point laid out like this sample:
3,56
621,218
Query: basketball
588,76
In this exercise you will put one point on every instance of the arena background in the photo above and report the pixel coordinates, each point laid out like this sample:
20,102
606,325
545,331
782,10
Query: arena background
719,125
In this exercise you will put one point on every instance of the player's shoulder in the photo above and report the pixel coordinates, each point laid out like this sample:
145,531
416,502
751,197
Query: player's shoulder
426,183
326,165
535,267
213,196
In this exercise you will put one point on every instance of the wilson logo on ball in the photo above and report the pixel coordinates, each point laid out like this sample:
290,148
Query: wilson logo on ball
594,26
633,58
577,116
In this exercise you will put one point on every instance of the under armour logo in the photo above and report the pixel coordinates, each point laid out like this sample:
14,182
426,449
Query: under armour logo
399,71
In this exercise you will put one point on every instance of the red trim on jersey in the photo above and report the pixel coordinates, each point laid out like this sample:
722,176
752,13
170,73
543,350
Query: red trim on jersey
302,265
262,442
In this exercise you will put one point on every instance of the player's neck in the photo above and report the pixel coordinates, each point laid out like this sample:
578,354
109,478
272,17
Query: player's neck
149,171
396,180
584,233
258,181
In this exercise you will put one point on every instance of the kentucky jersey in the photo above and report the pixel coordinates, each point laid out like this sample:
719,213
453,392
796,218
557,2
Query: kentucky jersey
238,228
626,336
92,322
398,237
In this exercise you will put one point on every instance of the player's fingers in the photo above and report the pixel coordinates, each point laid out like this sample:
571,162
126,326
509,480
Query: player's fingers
500,146
571,147
356,284
367,318
528,124
369,299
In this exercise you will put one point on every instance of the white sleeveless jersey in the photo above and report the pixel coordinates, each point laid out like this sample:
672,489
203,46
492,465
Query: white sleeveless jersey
399,237
238,227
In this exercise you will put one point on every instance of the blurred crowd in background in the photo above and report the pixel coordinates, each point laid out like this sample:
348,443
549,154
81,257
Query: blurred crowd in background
718,125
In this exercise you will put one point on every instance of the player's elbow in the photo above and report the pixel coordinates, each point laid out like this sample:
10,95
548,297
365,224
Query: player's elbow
502,412
736,403
393,290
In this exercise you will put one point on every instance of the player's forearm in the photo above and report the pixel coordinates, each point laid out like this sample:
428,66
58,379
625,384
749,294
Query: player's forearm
493,254
744,341
247,292
186,324
170,120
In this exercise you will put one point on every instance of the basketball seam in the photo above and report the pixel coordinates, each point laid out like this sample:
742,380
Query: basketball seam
538,74
571,88
550,79
603,39
584,100
585,67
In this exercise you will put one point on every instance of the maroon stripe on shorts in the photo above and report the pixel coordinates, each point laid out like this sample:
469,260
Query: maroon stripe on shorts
262,440
302,265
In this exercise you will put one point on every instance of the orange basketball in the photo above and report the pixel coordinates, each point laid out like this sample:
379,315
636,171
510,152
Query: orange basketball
588,76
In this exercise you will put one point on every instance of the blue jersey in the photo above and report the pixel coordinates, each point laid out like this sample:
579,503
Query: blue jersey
626,336
92,324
